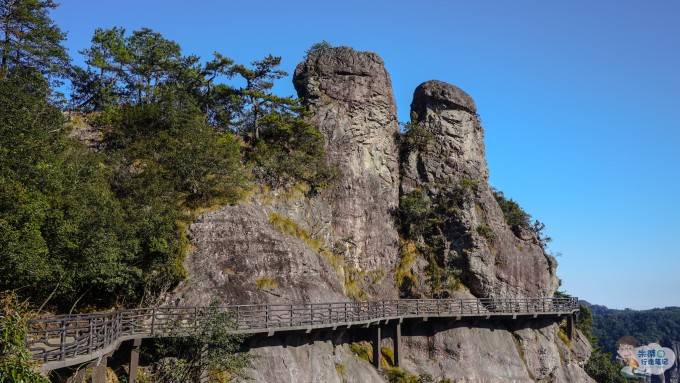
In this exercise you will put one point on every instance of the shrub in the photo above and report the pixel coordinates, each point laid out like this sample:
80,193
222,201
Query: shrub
415,137
213,350
16,364
514,215
519,220
485,231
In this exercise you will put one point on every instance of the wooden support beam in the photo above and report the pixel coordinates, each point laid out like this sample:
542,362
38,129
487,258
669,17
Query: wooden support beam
134,360
570,327
396,339
376,347
99,373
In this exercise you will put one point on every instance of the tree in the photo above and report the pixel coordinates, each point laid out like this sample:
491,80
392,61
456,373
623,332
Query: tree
62,231
601,368
30,39
127,69
258,100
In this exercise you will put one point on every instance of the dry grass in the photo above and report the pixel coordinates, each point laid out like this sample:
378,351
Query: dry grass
352,277
362,350
408,253
266,283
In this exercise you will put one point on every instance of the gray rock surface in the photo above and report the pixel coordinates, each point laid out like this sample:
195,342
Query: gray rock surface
239,258
350,96
483,351
505,265
308,359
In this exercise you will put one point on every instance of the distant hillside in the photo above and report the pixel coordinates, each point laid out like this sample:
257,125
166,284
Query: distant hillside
655,325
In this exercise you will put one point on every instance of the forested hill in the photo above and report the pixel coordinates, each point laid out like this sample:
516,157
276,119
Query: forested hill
655,325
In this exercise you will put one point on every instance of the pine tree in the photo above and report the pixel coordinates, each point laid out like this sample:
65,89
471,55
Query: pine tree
29,38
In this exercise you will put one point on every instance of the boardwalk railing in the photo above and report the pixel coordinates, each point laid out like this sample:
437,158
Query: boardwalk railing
65,340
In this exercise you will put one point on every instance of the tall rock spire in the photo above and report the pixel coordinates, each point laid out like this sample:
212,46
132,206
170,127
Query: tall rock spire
495,259
349,94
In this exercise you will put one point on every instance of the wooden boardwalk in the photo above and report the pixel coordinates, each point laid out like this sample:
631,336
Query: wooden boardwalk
66,340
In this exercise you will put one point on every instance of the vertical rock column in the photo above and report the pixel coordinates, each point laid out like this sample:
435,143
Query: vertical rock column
496,260
349,94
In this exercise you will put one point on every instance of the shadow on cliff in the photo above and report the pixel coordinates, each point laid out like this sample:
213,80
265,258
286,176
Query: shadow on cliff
410,328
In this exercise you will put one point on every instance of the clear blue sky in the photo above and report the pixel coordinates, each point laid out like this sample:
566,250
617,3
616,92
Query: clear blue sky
580,101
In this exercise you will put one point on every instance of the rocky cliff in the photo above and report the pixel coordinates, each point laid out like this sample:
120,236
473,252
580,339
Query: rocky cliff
343,243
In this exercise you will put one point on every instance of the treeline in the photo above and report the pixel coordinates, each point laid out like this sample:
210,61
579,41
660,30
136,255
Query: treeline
660,325
83,228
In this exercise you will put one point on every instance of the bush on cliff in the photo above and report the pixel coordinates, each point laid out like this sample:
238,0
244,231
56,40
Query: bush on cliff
519,220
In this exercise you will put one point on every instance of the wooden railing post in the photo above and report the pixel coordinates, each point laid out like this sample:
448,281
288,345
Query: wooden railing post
62,340
238,316
153,321
91,337
291,316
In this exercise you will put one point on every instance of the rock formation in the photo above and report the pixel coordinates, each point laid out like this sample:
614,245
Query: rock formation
497,262
350,96
290,247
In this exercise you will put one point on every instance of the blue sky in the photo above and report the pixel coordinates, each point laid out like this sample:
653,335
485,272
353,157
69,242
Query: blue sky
580,101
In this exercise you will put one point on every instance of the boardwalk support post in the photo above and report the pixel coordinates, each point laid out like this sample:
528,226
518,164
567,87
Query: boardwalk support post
99,373
570,326
134,360
376,347
397,344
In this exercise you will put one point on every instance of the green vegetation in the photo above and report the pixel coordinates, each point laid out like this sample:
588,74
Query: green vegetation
16,364
362,350
30,38
84,229
80,228
519,220
323,44
601,368
415,138
660,325
485,231
212,352
424,220
399,375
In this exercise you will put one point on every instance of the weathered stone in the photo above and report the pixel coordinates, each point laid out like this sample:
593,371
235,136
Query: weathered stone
309,358
499,263
350,96
240,258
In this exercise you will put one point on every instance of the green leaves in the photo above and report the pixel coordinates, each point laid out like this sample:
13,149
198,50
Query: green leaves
30,39
16,364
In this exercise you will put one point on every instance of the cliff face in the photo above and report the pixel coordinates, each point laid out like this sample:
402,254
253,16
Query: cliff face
285,246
